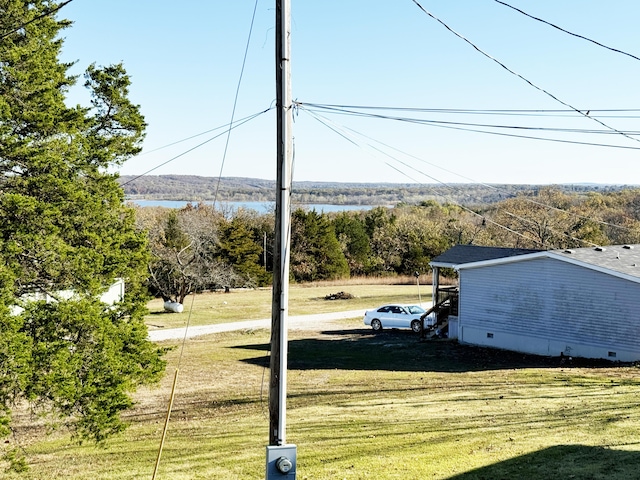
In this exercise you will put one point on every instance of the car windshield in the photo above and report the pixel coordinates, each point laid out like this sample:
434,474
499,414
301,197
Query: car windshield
415,309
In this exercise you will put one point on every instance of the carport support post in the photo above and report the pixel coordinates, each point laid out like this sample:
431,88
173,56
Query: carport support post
435,281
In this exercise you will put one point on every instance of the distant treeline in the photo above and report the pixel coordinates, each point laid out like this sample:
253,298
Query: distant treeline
238,189
200,247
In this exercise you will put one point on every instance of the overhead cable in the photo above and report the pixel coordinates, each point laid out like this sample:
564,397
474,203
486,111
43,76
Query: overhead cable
399,170
498,112
191,137
214,201
565,234
478,130
529,82
237,124
485,125
567,31
338,129
235,101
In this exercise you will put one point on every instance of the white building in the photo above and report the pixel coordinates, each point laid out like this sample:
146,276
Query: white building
583,302
114,294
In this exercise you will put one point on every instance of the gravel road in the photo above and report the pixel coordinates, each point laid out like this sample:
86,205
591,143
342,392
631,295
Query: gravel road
316,321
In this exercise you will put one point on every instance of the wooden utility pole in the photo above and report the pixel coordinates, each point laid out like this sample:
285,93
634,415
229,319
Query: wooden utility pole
281,251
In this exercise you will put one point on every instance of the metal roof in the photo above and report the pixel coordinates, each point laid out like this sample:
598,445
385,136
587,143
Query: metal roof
461,254
618,260
623,259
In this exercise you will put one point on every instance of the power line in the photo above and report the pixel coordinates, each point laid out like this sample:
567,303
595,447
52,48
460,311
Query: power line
565,234
567,31
469,127
529,82
343,109
191,137
517,127
235,102
228,127
463,207
337,130
239,123
508,194
480,111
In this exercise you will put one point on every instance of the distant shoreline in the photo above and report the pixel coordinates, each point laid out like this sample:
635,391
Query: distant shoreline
177,188
260,207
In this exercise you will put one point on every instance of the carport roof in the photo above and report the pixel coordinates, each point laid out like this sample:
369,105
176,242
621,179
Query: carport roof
461,254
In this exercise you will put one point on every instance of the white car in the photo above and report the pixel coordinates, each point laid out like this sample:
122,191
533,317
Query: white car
397,316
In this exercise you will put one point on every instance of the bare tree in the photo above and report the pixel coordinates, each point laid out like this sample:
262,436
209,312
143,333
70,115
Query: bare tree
184,244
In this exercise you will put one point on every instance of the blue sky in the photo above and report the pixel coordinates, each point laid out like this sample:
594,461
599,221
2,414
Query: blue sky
185,60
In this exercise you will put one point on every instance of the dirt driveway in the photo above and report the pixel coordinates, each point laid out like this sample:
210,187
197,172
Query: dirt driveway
316,321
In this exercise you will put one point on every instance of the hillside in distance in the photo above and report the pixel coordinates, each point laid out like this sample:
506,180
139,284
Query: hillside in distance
195,188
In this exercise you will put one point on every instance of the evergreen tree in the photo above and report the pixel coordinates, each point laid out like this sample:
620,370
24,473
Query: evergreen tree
380,225
66,234
315,250
352,234
238,248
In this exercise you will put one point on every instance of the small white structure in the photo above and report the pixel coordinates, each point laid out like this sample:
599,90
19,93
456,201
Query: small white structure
583,302
173,307
114,294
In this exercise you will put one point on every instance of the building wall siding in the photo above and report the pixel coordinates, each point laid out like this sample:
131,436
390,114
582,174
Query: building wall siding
546,306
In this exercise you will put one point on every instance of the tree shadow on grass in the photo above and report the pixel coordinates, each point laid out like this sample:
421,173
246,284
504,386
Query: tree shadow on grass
403,351
575,462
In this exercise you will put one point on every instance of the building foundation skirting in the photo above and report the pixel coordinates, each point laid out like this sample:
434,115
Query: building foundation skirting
488,337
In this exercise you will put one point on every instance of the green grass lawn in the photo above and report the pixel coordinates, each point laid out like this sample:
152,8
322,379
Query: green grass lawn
367,406
253,304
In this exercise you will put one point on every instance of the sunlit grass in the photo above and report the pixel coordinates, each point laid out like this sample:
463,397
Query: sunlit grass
367,406
253,304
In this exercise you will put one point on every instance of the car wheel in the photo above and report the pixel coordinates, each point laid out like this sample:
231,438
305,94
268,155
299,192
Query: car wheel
416,326
376,325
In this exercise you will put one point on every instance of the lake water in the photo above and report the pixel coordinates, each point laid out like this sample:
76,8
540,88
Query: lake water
260,207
